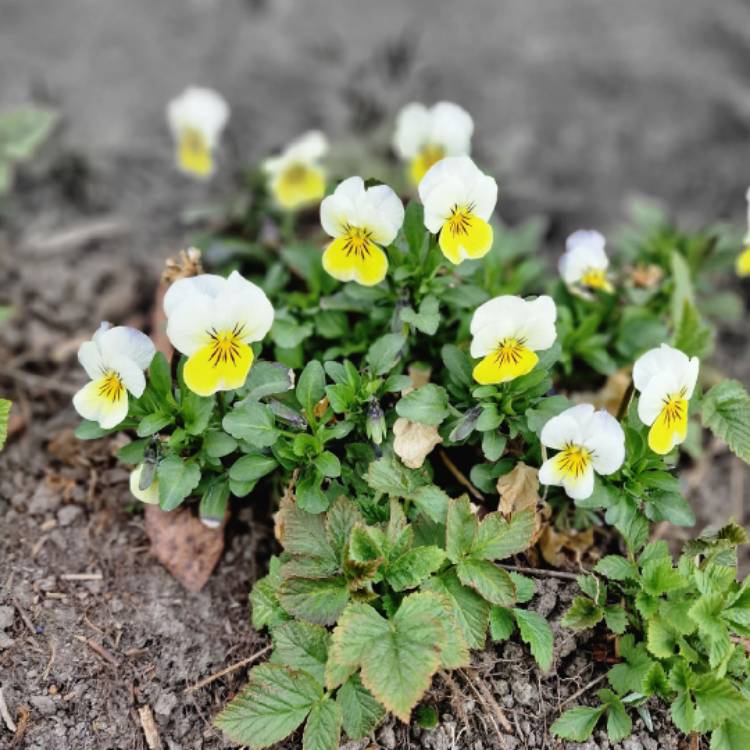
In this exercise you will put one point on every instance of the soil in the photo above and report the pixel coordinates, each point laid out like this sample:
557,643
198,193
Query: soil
578,107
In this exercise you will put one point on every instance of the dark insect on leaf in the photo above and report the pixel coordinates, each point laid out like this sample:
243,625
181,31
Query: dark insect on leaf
150,460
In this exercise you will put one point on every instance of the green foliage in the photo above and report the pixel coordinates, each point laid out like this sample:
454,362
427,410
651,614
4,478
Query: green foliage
725,411
4,417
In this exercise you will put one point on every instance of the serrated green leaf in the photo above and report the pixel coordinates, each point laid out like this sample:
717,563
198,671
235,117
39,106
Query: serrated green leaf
323,727
23,130
427,319
317,600
502,623
659,576
426,405
301,645
619,724
341,518
177,479
692,335
498,539
661,640
272,705
577,723
536,632
196,411
361,712
432,502
616,618
725,411
266,611
461,528
582,614
616,567
492,583
730,736
412,567
397,657
718,700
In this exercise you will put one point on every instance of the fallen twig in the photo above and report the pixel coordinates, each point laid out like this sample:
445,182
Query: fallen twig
488,701
26,621
81,577
583,690
460,476
5,713
227,670
541,572
150,730
98,649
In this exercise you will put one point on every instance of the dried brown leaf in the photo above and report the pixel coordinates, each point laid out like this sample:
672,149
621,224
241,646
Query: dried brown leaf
413,441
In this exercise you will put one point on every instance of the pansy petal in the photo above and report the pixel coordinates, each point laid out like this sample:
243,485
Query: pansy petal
384,214
494,369
473,241
570,426
150,495
200,108
244,308
91,404
451,127
123,341
539,330
90,357
665,432
367,268
412,130
207,284
209,370
579,488
550,473
662,359
606,441
189,325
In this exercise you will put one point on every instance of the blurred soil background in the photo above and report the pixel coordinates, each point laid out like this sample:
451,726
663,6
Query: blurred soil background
579,106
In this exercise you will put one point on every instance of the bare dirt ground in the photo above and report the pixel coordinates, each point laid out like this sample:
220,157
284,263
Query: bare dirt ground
578,106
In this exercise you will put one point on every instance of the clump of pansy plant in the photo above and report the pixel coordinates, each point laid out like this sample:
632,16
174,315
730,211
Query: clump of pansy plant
363,356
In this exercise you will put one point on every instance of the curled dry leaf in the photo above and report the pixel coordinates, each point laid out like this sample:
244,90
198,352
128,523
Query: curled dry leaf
519,490
555,544
187,548
646,276
610,395
187,263
287,501
413,441
419,374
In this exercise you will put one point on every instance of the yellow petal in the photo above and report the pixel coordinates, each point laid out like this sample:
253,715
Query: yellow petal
299,186
497,367
208,370
743,262
366,264
670,427
421,163
469,237
193,153
597,279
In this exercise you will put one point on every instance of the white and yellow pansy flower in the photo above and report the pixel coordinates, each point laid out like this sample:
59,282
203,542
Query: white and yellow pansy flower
425,135
584,263
295,177
197,118
458,201
743,259
361,222
114,359
213,321
507,332
665,378
151,494
588,442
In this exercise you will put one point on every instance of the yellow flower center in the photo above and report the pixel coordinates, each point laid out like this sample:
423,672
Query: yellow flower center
573,460
111,387
510,360
670,427
596,278
357,241
299,185
225,346
431,153
510,351
460,220
193,153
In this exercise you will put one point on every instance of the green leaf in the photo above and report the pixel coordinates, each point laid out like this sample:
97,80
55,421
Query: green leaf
341,518
616,618
272,705
545,409
427,405
311,386
536,632
458,364
661,640
133,452
152,423
409,570
577,723
725,411
323,728
383,355
327,464
471,610
361,712
617,568
4,417
718,700
159,375
493,583
213,505
432,502
502,623
252,467
218,444
309,492
498,539
461,528
427,319
583,613
317,600
629,675
24,130
252,422
266,379
196,411
659,576
413,228
397,657
683,286
390,477
300,645
730,736
265,607
693,336
619,724
177,479
88,430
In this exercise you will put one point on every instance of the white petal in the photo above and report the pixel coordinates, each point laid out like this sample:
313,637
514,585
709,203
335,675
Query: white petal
200,108
245,305
538,326
488,338
652,397
90,405
584,251
340,208
383,215
451,127
150,495
307,149
690,377
606,441
663,359
582,487
549,473
504,307
569,426
207,284
412,129
440,198
123,341
90,357
130,373
483,195
188,325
